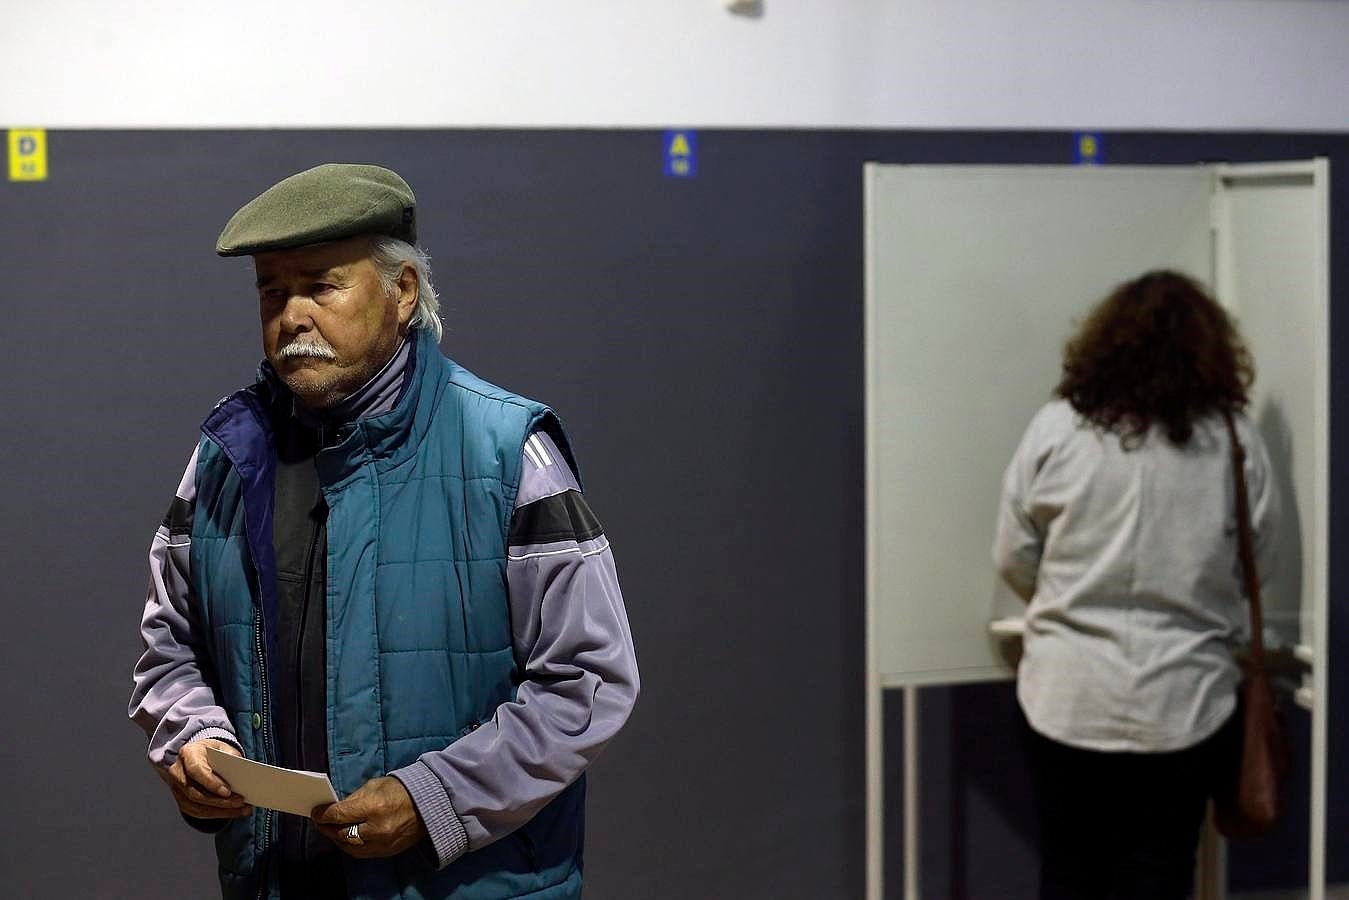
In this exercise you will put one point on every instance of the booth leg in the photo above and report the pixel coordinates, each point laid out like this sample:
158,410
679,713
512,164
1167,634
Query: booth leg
1210,877
875,789
911,793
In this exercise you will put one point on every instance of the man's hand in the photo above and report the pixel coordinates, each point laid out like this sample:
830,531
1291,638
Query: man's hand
197,789
388,820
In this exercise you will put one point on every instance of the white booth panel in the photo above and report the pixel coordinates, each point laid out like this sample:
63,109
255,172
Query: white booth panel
975,278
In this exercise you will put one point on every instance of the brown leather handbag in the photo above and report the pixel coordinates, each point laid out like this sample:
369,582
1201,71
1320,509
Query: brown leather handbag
1250,801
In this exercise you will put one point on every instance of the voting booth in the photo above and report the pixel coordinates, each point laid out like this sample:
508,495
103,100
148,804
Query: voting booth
975,276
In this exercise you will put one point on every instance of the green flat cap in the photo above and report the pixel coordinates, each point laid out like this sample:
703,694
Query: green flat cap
325,203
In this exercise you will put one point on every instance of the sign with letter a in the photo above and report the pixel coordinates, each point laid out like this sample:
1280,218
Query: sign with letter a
681,154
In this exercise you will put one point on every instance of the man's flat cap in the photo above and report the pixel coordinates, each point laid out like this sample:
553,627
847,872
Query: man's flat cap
325,203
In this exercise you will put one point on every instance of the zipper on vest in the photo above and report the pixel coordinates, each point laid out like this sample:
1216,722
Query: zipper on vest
266,729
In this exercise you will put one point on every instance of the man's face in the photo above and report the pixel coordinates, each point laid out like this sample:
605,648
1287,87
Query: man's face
327,323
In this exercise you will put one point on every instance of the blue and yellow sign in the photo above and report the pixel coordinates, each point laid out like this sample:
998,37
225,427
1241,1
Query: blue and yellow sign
1087,149
27,154
681,154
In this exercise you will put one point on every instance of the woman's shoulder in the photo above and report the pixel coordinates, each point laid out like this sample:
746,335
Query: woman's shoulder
1053,424
1215,424
1056,418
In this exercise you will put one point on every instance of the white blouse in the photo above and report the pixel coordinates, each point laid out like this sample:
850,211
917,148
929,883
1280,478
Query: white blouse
1129,561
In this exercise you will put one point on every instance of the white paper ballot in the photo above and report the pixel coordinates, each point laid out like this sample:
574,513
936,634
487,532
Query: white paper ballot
273,787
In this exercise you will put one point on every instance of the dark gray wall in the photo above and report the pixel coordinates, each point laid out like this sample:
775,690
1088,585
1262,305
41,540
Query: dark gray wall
702,338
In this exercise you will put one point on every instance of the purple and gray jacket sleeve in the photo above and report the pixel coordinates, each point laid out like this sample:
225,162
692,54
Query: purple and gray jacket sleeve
172,698
574,649
571,641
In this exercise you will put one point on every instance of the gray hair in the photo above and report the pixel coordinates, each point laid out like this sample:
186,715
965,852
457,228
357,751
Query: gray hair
390,255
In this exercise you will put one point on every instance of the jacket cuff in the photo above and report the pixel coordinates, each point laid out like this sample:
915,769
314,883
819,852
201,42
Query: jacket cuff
448,836
219,734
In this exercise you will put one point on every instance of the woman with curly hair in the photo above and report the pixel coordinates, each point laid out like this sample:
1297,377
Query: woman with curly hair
1117,525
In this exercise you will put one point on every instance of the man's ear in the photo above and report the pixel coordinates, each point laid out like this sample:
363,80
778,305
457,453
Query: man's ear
408,288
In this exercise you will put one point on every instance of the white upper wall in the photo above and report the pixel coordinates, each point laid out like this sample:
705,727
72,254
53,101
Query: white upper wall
1171,64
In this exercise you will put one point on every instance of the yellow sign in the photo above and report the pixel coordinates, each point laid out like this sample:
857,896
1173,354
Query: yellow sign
680,145
27,154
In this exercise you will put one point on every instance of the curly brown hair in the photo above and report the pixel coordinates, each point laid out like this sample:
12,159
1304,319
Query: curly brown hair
1157,349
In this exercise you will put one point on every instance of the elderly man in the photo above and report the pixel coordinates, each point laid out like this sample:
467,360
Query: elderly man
381,567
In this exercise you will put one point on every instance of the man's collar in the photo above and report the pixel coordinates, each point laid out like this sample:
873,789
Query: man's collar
378,395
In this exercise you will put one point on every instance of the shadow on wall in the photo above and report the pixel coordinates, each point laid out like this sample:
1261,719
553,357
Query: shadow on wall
1284,609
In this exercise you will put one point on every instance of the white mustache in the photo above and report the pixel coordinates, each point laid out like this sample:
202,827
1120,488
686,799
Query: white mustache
312,349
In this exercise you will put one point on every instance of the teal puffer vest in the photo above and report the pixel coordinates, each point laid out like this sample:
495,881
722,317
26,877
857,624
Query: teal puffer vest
419,641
